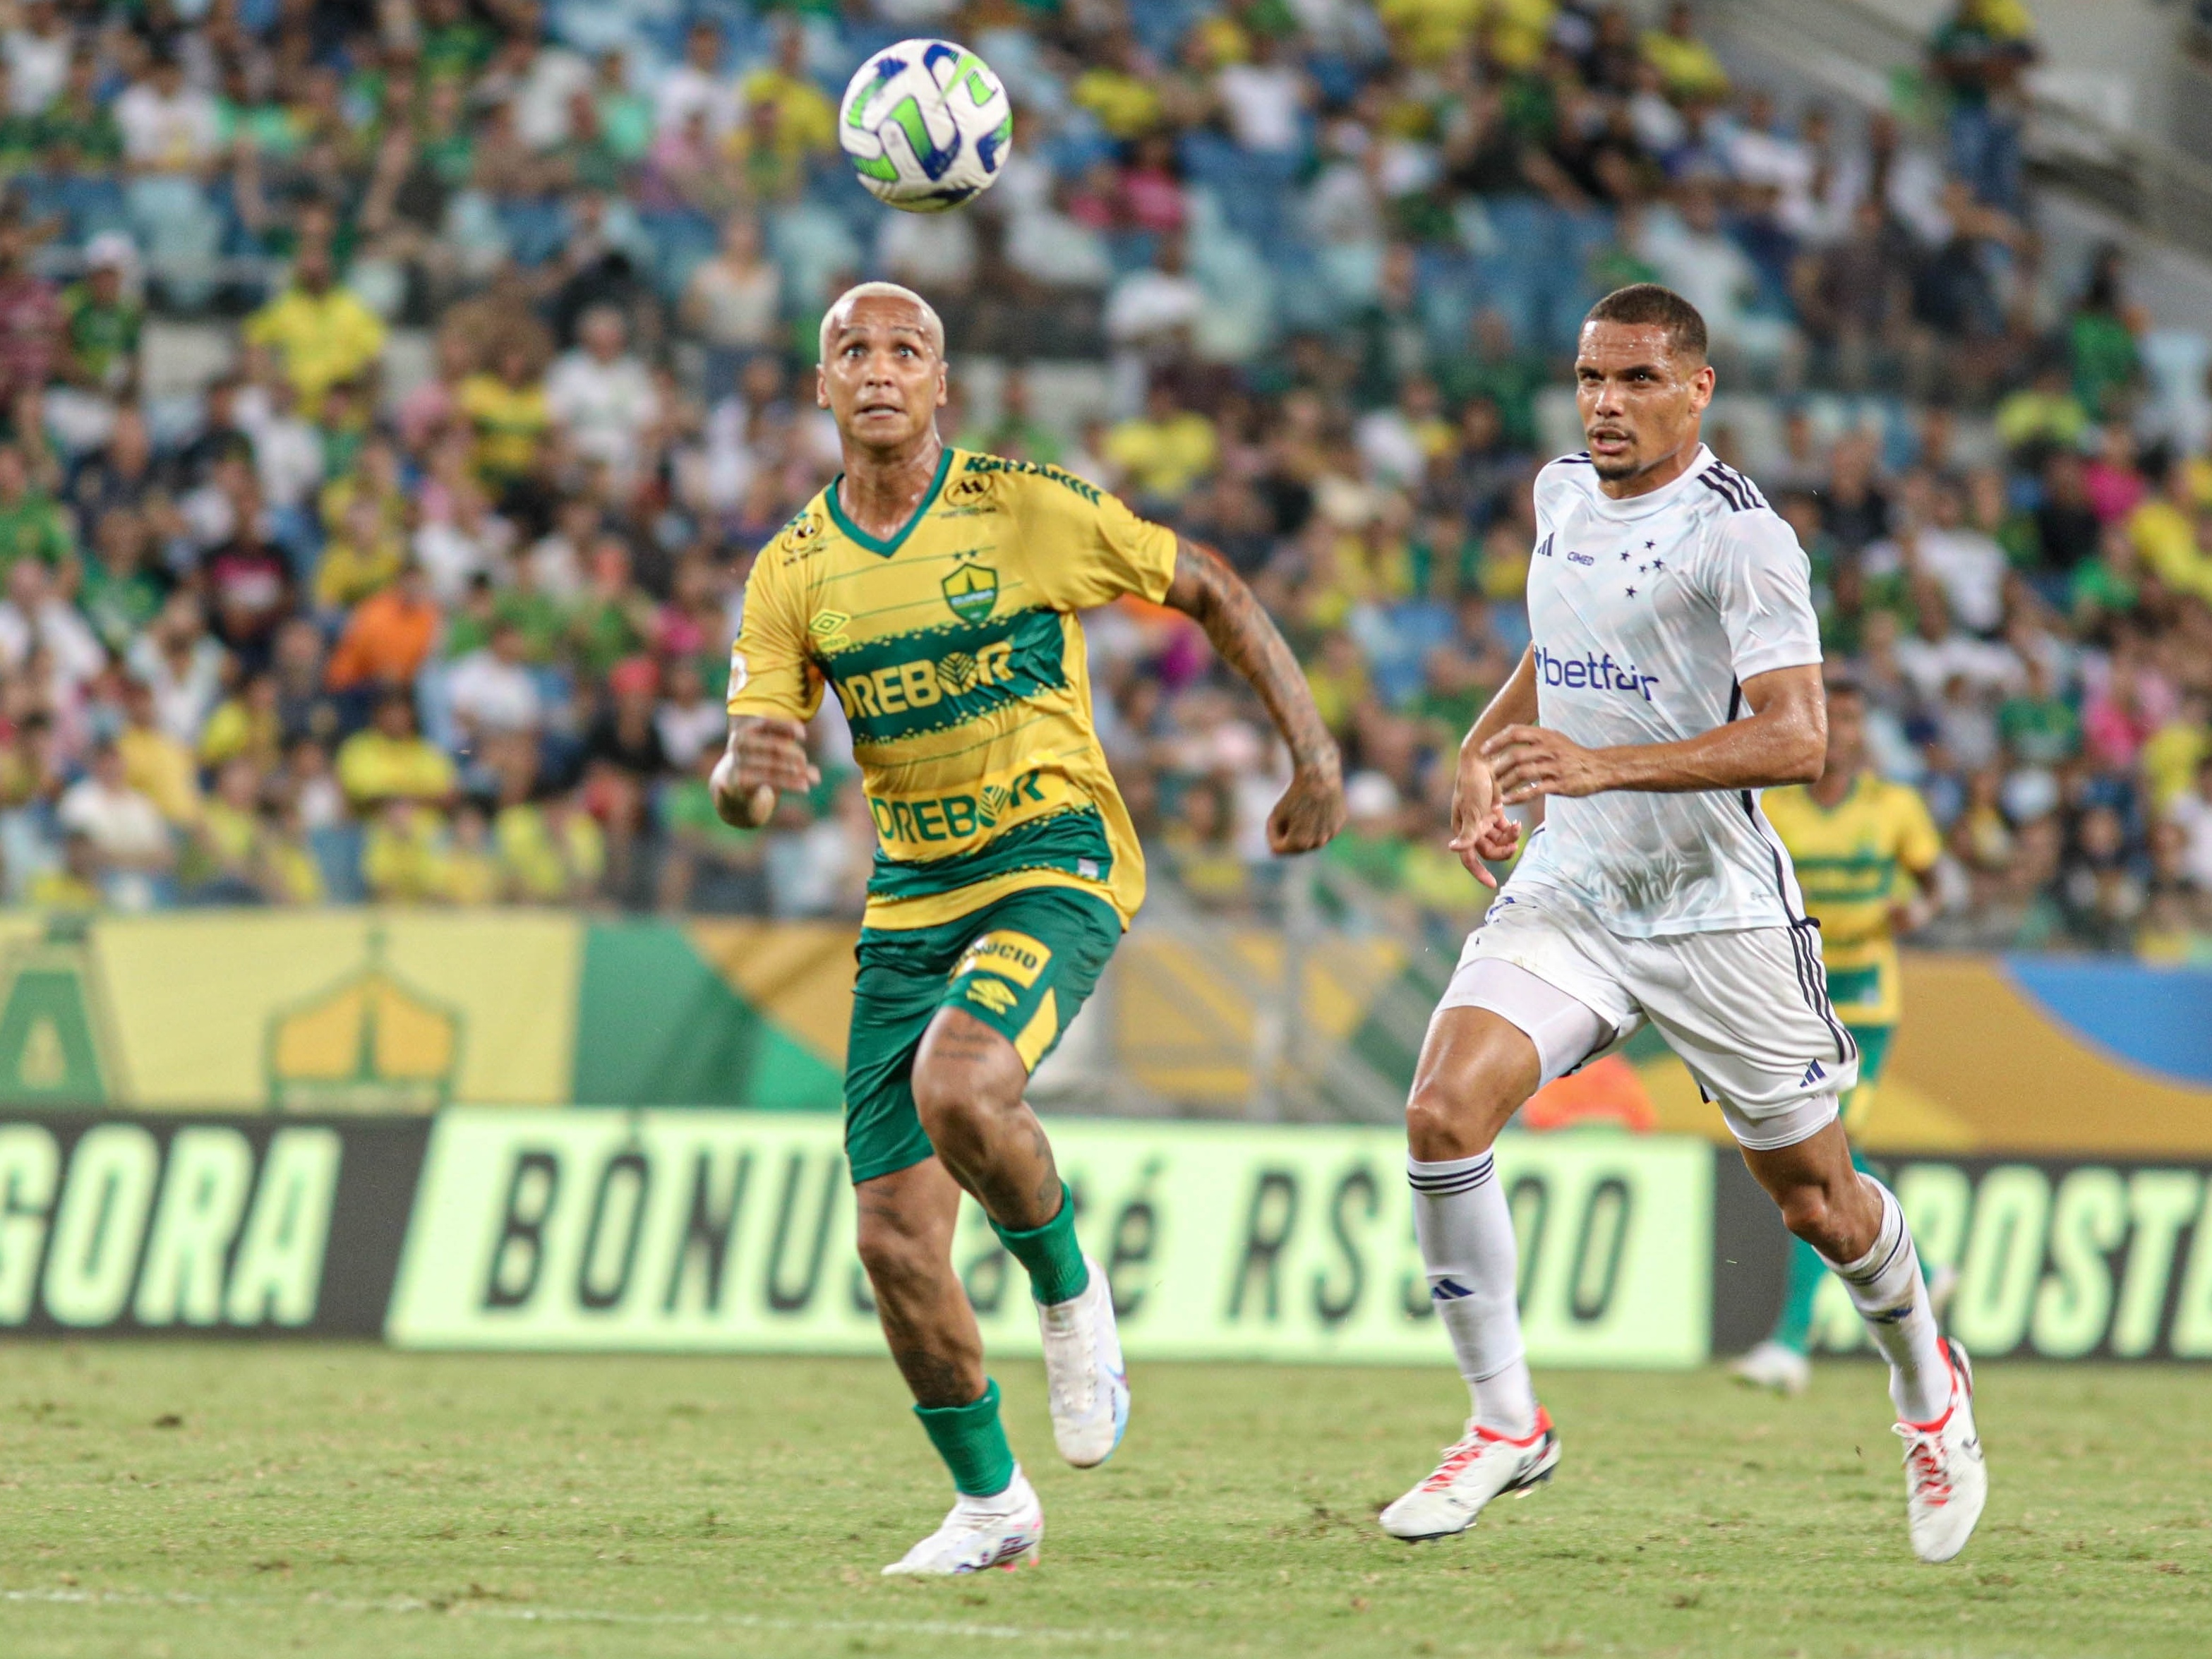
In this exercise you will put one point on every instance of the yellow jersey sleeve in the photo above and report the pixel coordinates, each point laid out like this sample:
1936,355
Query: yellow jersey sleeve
1919,843
1087,548
770,670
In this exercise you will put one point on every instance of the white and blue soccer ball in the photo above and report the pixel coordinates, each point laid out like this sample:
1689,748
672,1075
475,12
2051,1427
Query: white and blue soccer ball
926,125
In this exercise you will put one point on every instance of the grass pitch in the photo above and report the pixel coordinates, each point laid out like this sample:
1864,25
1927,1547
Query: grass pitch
185,1500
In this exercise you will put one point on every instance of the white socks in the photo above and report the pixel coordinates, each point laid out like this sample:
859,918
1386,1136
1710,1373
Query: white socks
1466,1234
1467,1246
1887,1289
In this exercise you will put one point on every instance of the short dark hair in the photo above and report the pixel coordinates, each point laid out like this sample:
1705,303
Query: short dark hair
1647,304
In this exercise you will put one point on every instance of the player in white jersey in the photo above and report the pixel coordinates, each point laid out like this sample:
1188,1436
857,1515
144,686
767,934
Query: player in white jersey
1674,671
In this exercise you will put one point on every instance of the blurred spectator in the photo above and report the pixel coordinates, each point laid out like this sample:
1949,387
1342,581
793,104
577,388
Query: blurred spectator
321,333
1965,559
1159,455
709,866
2191,813
390,761
492,692
34,617
389,636
601,396
129,842
1978,55
734,300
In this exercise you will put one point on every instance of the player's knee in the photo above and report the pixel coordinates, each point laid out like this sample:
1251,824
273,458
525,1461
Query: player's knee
895,1253
957,1100
1807,1211
1447,1118
965,1077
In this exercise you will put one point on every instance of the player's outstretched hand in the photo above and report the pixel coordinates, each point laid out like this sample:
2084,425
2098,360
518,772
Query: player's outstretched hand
1533,760
1480,829
1310,813
766,754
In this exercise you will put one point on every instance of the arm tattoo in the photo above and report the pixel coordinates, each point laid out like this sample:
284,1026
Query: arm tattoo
1208,590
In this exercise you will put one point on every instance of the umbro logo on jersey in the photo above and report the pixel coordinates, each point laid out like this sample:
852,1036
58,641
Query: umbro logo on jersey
1598,674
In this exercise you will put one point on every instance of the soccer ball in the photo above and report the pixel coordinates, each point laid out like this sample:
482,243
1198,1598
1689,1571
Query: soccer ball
926,125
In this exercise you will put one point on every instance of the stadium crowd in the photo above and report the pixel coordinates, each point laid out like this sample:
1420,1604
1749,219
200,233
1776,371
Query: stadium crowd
422,590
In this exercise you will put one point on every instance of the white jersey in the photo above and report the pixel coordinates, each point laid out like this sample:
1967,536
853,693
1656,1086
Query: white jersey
1646,616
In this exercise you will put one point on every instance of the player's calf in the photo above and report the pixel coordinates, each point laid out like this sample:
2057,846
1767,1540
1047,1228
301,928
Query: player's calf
1858,1226
967,1083
1478,1062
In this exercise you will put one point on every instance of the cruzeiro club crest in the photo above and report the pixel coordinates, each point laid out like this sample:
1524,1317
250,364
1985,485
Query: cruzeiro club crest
972,591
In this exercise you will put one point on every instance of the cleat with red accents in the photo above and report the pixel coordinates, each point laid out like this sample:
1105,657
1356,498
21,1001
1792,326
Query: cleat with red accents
1946,1481
1003,1530
1481,1465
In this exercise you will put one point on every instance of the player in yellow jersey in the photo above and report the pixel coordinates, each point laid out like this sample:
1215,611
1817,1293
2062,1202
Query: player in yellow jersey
1865,852
936,591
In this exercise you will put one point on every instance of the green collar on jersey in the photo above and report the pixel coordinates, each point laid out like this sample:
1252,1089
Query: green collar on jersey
872,543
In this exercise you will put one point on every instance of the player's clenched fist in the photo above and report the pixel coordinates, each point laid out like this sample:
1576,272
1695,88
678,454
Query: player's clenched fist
1310,813
765,756
1480,829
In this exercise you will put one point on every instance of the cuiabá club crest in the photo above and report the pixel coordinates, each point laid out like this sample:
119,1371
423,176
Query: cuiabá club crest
972,591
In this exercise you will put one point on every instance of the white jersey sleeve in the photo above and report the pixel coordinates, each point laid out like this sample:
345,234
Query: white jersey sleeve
1558,487
1762,583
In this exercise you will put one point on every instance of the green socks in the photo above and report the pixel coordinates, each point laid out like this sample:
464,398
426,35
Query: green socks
1054,1259
973,1443
970,1439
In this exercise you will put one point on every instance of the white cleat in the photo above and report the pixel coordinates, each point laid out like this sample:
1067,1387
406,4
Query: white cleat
1003,1530
1771,1365
1481,1465
1946,1482
1084,1372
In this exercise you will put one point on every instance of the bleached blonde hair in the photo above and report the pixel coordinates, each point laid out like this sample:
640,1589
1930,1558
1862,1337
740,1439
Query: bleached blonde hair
844,304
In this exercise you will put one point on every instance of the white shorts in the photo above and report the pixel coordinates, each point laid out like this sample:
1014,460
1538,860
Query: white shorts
1746,1010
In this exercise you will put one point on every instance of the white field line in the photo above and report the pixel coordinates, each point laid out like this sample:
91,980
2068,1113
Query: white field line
466,1607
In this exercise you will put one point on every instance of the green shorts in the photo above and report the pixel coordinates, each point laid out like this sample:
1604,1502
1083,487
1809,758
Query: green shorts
1022,966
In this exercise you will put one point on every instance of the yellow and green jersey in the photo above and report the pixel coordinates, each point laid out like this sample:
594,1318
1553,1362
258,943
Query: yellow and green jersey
956,653
1854,860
